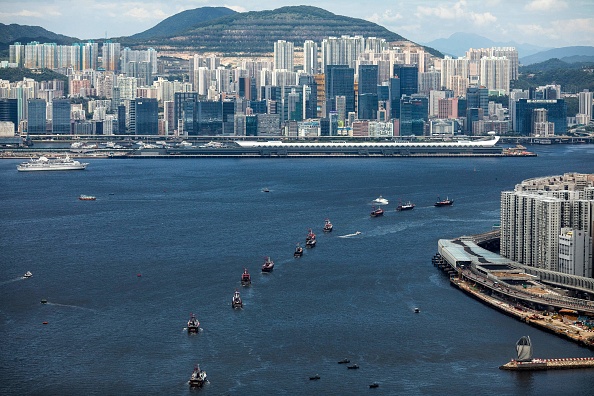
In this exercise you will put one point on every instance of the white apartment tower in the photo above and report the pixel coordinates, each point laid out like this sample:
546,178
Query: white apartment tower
535,213
310,57
284,53
494,73
585,103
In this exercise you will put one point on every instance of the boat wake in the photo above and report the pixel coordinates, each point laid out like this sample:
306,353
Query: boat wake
69,306
12,280
350,235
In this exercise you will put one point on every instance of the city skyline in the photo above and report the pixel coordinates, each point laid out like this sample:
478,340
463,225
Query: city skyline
546,23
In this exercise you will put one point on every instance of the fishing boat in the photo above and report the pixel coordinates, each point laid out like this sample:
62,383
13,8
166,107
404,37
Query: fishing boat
87,197
246,279
310,239
198,378
298,251
374,385
328,226
193,324
54,164
344,361
28,274
268,265
381,200
353,366
377,212
444,202
407,206
236,301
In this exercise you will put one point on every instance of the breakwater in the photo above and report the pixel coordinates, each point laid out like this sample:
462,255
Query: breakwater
549,364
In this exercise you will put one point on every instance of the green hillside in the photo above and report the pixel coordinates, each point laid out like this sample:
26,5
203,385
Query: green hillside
254,33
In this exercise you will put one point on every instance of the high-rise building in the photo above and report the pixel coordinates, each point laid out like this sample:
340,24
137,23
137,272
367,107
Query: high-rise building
310,57
534,214
409,78
284,54
110,56
61,116
414,113
368,86
556,113
495,74
339,81
144,120
9,111
36,116
585,104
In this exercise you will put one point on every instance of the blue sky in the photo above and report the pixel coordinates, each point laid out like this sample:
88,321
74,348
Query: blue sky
547,23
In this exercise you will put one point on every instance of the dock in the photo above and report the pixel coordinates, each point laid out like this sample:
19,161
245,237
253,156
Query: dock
549,364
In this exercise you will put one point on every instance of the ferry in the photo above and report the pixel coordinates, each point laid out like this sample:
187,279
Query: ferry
236,300
310,239
246,279
268,265
298,251
193,324
406,206
198,378
377,212
55,164
443,202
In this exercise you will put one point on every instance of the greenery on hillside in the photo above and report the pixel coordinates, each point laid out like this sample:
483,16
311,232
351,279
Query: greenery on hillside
179,22
254,33
572,77
18,74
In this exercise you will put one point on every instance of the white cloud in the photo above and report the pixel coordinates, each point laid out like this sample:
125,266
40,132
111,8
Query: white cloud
545,5
142,14
236,8
388,16
457,12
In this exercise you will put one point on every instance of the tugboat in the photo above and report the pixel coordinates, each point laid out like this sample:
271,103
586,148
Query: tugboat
198,378
246,279
310,239
377,212
268,265
298,251
406,206
444,202
28,274
236,301
327,226
193,324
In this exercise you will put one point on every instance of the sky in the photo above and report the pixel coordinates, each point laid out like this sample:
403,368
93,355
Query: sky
546,23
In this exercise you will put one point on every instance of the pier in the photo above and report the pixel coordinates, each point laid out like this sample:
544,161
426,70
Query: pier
494,281
549,364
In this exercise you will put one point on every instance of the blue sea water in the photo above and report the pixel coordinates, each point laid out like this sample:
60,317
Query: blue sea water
190,227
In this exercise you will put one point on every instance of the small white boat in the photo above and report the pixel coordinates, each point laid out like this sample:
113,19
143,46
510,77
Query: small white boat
381,200
28,274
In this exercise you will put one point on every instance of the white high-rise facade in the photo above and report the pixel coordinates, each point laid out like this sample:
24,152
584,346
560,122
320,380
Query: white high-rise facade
284,54
585,103
534,215
494,73
310,57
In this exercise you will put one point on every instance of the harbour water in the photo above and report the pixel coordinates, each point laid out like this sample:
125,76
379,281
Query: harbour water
166,238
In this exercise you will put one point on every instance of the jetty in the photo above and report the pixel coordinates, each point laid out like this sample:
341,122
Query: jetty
549,364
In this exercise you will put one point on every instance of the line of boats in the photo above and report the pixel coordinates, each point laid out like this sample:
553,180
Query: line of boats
378,211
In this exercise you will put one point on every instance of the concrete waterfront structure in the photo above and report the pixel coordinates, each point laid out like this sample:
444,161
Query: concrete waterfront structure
534,215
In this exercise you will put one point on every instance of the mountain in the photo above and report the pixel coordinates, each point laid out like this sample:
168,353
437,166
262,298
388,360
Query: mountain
458,43
9,34
573,77
255,32
567,54
179,22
